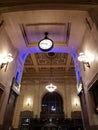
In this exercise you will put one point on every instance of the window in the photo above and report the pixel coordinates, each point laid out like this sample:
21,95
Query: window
52,103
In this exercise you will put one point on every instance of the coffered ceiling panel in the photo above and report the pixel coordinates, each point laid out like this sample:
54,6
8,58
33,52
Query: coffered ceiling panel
39,66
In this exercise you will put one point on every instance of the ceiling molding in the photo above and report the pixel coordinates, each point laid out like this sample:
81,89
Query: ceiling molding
68,65
33,33
12,6
35,64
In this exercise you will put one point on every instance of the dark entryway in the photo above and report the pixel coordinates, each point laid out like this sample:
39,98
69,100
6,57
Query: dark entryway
7,124
52,106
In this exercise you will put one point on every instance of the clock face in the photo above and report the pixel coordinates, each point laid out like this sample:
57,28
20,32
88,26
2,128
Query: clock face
45,44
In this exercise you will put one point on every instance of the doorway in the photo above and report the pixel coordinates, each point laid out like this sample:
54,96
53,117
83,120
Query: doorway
52,106
7,124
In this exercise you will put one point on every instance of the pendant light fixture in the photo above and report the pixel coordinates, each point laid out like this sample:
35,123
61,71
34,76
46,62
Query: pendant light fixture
46,44
51,87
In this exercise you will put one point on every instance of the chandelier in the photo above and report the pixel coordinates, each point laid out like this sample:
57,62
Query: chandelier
51,87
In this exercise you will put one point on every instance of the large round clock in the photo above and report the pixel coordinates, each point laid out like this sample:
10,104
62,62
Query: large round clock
45,44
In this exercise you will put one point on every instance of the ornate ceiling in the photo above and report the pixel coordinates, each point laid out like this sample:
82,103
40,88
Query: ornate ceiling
66,21
41,66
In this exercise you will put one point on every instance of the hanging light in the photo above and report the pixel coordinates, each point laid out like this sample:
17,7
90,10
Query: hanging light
46,44
51,87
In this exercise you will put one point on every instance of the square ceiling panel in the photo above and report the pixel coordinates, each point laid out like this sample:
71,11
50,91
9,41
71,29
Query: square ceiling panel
33,33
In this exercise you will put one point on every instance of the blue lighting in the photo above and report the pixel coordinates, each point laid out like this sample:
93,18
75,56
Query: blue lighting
17,76
64,49
23,56
20,65
78,74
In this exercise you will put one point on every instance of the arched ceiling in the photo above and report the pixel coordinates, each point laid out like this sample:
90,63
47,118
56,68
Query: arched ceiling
65,27
26,21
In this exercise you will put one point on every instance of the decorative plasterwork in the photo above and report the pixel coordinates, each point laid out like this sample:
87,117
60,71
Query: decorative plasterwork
37,66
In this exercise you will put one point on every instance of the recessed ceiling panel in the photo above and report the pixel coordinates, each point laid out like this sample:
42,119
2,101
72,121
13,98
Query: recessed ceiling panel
33,33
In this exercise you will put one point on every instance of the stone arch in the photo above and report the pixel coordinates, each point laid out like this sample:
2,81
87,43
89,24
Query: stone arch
52,103
22,57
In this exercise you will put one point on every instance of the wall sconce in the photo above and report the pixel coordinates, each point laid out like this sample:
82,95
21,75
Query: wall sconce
28,102
76,102
6,60
84,59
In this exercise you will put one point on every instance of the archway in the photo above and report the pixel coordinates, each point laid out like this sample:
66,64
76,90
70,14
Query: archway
52,106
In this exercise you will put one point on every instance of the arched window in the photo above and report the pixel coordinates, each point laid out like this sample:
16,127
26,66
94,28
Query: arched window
52,103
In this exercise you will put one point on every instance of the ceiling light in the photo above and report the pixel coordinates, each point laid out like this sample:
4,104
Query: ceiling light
51,87
46,44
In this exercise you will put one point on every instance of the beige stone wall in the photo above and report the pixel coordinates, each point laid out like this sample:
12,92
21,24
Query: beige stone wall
6,76
90,47
35,91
